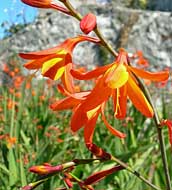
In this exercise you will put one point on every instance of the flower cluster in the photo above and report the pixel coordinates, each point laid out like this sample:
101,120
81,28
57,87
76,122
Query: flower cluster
117,81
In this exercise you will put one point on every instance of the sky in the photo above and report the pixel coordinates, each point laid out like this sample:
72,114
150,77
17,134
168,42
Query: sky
14,12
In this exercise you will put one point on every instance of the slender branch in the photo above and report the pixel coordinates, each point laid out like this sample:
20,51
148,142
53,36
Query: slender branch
160,134
137,174
105,43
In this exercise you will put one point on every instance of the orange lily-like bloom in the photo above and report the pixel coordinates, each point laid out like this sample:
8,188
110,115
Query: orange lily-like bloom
118,81
81,118
56,62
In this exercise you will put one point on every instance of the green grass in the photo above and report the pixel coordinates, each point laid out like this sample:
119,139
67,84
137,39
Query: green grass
45,136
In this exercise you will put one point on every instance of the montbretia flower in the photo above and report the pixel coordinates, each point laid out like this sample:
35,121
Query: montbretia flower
56,62
86,119
118,80
88,23
46,4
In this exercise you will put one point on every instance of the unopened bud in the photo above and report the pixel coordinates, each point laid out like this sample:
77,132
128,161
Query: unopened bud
44,170
98,152
38,3
27,187
88,23
46,4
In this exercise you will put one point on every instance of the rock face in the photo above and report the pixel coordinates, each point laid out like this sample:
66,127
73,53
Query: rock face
134,30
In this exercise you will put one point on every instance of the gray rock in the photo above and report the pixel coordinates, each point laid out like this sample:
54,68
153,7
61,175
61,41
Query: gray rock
134,30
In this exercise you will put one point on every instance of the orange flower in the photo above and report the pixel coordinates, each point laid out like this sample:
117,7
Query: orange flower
81,117
56,62
141,61
46,4
11,104
118,80
18,80
11,141
6,68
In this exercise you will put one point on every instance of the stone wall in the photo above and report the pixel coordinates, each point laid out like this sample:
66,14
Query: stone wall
134,30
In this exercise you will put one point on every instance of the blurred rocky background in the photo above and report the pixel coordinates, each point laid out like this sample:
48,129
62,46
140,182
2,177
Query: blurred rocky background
131,24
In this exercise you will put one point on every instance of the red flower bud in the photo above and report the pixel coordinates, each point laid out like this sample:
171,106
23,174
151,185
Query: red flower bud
46,4
27,187
48,169
88,23
38,3
94,178
98,152
45,169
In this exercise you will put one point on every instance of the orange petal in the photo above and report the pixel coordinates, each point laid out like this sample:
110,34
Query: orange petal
137,97
35,64
39,54
66,103
98,95
67,79
79,118
89,128
78,95
89,75
110,128
159,76
51,67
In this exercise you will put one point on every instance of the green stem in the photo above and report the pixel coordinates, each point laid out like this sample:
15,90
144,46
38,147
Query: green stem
137,174
105,43
160,134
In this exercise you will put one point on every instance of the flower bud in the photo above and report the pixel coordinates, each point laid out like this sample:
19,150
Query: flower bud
38,3
27,187
45,169
46,4
98,152
94,178
88,23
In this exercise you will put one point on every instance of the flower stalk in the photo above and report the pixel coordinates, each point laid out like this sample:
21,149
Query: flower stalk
160,134
137,174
